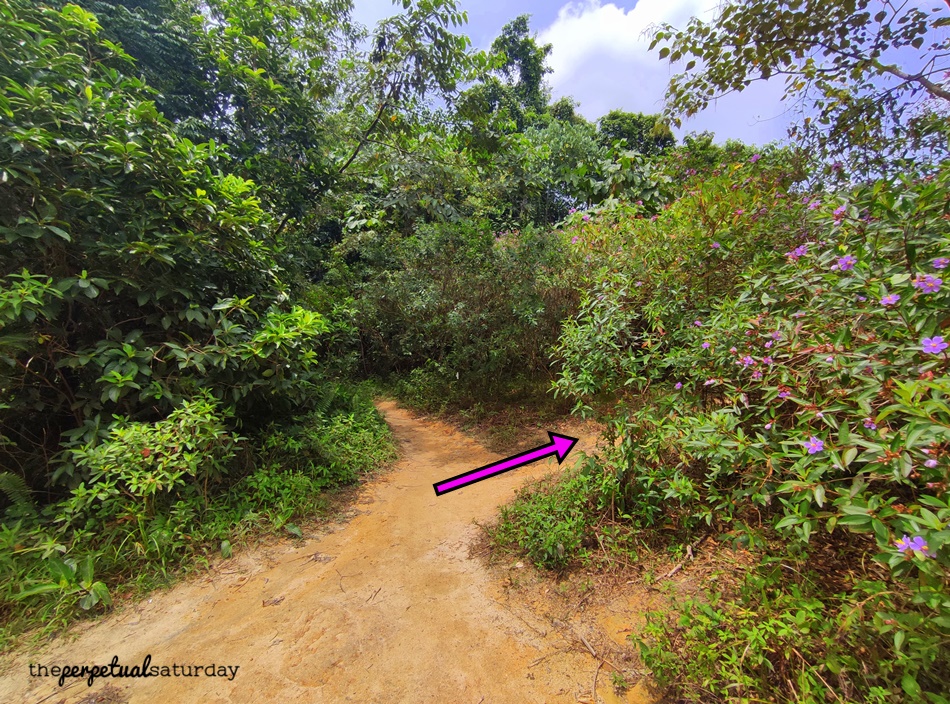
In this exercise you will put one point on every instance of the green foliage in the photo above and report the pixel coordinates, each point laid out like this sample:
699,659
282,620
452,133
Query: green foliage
343,439
644,277
645,134
523,64
479,308
551,522
161,36
69,581
171,494
798,641
838,58
782,362
134,271
137,461
17,492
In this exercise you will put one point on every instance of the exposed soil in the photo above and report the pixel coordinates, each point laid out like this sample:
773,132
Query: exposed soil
391,606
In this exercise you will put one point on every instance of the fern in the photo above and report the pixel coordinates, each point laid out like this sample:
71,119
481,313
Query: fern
16,490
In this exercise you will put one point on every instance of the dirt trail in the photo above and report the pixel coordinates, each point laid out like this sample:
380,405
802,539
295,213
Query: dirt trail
387,608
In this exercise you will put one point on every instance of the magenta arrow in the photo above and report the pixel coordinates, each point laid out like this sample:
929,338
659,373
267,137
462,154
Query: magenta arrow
560,445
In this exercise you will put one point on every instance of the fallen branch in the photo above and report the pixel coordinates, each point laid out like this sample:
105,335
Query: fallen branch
689,556
593,690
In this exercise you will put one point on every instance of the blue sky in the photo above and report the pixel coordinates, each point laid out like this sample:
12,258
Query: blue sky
601,58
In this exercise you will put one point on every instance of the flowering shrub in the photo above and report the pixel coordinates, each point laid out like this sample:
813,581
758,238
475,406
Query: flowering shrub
801,383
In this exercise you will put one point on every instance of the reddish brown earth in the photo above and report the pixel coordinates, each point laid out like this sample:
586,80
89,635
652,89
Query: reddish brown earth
389,606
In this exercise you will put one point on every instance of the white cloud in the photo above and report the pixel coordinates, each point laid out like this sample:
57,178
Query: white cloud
601,57
584,29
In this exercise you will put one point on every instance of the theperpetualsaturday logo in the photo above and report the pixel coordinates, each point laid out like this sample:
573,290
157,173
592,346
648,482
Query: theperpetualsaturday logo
90,673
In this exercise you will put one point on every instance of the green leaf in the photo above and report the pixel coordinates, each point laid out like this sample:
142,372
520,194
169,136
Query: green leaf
102,593
910,686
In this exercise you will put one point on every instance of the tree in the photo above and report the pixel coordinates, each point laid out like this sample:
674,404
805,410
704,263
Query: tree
510,93
523,64
647,134
413,55
163,38
134,272
853,67
565,110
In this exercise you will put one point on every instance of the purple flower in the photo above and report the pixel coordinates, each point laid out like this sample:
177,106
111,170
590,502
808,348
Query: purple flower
756,374
767,361
768,426
679,385
890,299
800,251
933,345
709,382
698,323
941,262
586,217
755,157
829,359
784,394
814,445
862,298
747,361
572,211
732,349
814,205
870,424
927,283
739,211
654,218
715,245
847,262
916,544
705,345
638,284
930,464
776,335
840,212
574,240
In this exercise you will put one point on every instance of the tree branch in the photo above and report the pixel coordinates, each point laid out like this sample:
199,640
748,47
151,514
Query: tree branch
918,78
369,130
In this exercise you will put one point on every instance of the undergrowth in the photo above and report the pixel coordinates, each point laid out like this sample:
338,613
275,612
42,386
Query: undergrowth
169,496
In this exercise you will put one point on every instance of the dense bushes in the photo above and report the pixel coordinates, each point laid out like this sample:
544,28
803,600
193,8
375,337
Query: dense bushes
774,365
135,274
464,309
160,392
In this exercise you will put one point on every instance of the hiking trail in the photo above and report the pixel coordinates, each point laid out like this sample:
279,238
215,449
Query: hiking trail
388,606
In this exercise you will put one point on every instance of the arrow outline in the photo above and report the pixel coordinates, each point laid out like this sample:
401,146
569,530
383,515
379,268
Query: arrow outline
552,446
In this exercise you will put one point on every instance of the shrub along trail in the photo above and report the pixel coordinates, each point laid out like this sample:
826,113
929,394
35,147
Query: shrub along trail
389,607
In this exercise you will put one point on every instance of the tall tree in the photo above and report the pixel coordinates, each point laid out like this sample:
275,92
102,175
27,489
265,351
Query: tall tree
510,93
647,134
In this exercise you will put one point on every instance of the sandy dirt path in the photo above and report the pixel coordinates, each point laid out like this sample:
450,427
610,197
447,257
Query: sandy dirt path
389,607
